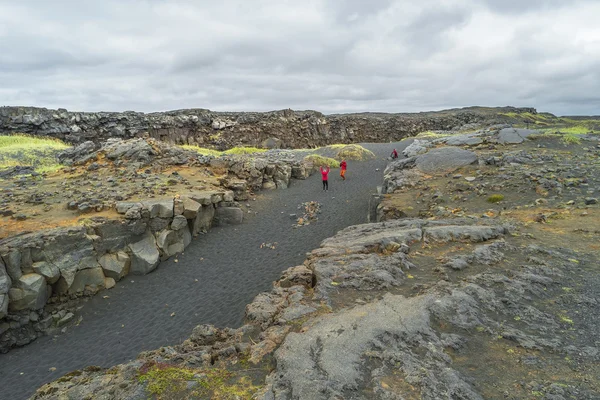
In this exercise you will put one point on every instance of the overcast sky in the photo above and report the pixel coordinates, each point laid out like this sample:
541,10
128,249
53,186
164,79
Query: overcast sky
326,55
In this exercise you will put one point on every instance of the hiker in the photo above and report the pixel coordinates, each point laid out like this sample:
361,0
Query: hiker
394,154
343,169
324,174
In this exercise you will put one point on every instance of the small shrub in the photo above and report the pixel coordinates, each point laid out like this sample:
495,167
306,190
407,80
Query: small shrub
495,198
318,161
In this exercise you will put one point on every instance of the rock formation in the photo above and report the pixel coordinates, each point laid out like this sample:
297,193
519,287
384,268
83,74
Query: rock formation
277,129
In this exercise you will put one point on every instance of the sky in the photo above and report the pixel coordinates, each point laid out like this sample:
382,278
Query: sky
333,56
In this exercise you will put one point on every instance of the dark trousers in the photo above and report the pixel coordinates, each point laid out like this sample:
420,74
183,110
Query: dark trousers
325,185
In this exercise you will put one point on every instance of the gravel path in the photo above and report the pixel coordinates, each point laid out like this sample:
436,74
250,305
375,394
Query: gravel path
212,281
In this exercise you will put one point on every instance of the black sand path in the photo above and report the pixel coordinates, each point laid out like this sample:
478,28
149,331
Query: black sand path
212,281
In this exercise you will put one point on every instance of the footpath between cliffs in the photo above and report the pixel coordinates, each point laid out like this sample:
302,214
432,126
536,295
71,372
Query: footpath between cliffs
210,283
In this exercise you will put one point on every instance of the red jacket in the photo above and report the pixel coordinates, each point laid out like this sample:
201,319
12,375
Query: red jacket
324,173
343,165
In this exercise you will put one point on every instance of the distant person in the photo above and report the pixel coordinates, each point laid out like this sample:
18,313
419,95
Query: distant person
394,154
324,175
343,169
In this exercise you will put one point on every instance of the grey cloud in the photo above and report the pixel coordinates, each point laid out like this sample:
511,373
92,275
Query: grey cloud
343,56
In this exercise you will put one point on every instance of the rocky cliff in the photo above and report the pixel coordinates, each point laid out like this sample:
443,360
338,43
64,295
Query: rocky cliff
285,128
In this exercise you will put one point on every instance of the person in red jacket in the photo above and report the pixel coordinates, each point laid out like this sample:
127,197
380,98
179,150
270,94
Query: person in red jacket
324,174
343,169
394,154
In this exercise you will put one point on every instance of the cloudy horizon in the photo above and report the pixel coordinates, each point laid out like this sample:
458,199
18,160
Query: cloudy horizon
330,56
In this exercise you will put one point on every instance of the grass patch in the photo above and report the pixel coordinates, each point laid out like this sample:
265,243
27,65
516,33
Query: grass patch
24,150
166,381
320,161
495,198
571,138
354,152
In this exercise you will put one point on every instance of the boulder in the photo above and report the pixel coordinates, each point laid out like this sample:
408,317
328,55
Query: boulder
47,270
229,216
203,220
29,292
299,275
159,208
443,160
416,147
204,198
115,265
514,136
269,185
109,283
169,243
300,172
190,207
12,261
92,278
463,140
179,222
144,255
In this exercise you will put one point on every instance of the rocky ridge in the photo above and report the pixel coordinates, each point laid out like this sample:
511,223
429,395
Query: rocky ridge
285,128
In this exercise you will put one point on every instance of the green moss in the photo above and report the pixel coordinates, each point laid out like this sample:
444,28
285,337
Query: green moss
167,381
23,150
318,160
495,198
354,152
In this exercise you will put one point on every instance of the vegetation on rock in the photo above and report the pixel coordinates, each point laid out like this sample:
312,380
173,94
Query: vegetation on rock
167,381
354,152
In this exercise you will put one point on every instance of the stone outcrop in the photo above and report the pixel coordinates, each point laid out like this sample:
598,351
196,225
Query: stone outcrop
65,263
277,129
